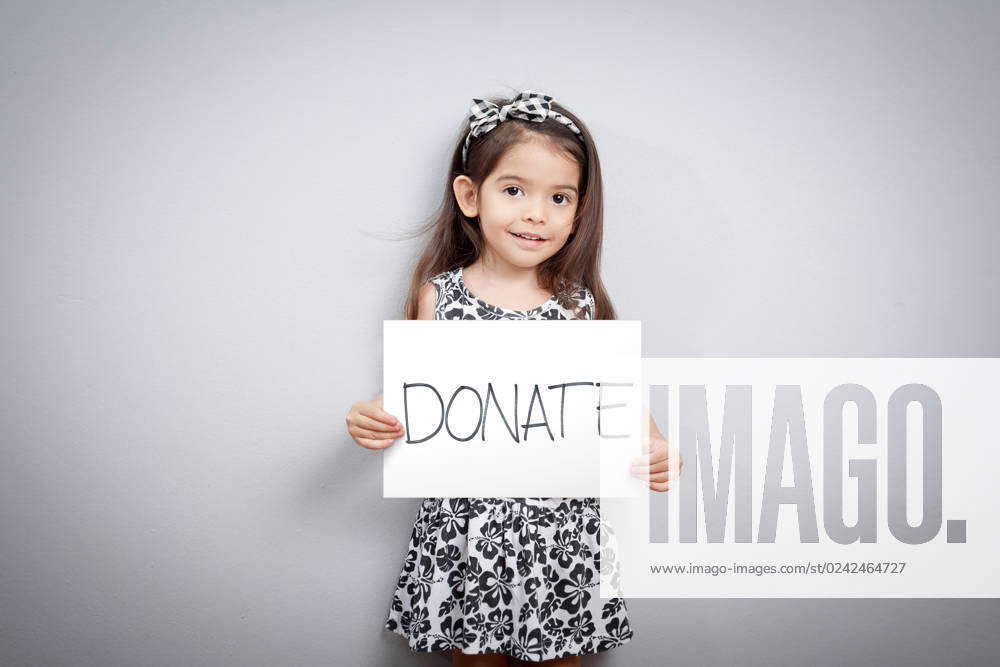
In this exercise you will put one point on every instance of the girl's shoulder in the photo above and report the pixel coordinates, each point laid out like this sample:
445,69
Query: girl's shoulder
448,291
444,278
583,299
447,284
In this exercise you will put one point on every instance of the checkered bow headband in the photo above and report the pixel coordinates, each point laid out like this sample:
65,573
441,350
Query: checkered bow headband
528,105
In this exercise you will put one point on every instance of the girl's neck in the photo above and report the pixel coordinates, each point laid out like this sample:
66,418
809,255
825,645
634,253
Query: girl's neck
490,271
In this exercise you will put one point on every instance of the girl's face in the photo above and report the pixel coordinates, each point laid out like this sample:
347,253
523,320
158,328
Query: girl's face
532,191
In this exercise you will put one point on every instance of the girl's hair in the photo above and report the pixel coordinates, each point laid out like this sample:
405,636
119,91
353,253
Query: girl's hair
456,240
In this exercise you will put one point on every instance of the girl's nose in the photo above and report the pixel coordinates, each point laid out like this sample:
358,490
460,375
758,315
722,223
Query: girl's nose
534,212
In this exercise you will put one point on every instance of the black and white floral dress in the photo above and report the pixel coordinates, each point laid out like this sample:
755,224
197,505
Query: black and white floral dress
519,576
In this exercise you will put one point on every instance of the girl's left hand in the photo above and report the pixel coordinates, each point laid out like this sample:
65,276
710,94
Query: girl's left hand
654,464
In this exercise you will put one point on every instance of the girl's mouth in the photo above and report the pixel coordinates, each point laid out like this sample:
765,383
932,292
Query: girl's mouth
528,241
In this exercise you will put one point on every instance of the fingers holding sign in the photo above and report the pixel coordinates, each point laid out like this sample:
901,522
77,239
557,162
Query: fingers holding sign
654,464
371,426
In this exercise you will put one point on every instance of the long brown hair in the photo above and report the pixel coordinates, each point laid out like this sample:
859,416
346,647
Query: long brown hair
457,241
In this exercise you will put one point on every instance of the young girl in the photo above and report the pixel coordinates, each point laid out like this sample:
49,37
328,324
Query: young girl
518,236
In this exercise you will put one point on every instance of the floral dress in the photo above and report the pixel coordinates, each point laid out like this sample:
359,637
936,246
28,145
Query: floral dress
519,576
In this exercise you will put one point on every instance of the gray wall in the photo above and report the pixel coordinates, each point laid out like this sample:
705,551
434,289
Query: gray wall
195,200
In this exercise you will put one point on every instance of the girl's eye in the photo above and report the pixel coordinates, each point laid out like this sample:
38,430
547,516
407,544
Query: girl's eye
559,197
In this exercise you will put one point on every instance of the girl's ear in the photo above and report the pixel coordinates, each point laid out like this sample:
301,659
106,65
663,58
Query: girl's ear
465,195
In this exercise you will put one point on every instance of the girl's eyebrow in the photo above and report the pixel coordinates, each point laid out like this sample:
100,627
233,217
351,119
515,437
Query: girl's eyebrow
512,177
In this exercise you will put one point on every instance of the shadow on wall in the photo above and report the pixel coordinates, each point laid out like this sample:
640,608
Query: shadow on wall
665,238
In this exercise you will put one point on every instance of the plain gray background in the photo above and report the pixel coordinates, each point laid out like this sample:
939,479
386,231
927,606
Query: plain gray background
195,201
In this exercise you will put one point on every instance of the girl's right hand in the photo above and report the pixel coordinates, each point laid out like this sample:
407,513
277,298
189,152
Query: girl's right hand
371,426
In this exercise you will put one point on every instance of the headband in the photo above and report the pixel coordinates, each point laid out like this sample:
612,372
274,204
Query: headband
528,105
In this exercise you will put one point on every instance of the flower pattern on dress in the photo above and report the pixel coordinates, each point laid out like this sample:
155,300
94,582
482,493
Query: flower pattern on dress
456,302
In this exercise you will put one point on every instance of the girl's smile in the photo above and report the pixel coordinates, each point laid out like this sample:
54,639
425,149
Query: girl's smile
528,240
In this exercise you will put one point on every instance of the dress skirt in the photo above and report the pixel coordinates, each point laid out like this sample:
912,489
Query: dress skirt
519,576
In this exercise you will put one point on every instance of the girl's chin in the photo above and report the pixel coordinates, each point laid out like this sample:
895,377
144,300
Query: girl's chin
523,260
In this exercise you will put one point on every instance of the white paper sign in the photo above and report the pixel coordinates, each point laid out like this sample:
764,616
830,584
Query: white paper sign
509,408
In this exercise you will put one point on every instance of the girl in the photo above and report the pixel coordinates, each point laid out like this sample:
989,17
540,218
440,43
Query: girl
518,236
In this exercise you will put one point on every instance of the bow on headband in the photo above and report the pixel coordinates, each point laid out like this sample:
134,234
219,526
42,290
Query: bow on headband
528,105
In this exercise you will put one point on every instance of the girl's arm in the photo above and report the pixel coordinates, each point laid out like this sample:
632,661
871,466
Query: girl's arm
367,422
426,300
